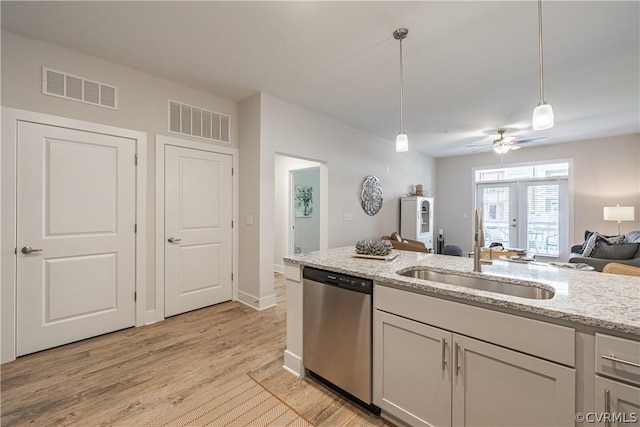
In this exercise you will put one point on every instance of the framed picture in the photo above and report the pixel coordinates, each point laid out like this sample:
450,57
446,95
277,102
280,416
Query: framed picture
303,201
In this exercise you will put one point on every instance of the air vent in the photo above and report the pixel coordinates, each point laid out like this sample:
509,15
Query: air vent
198,122
64,85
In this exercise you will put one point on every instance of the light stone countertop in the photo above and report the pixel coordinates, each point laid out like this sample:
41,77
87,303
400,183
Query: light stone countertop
607,301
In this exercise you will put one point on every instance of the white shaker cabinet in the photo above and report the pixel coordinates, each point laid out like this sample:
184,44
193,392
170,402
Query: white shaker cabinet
412,370
617,381
495,386
432,376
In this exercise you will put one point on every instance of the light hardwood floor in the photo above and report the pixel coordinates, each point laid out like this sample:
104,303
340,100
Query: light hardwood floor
128,377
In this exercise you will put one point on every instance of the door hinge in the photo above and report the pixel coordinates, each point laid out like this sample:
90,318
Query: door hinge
135,159
15,251
231,224
231,171
135,228
232,277
135,296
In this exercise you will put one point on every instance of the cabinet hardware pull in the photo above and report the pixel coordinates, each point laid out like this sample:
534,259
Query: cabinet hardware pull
173,240
29,250
444,351
613,358
457,348
607,406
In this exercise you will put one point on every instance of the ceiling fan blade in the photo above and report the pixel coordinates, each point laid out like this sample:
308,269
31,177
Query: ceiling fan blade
480,150
478,145
525,141
508,139
514,147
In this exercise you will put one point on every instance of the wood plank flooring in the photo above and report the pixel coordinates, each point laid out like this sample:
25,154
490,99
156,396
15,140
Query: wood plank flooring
128,377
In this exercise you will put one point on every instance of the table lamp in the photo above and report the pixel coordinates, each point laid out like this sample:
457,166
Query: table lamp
619,213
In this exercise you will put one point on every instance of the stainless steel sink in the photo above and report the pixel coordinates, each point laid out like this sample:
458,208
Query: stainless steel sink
513,289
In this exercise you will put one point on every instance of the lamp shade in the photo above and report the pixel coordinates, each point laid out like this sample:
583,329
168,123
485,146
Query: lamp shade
542,117
402,142
619,213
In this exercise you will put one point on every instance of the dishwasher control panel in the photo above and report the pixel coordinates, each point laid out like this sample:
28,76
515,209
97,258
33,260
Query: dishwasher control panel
345,281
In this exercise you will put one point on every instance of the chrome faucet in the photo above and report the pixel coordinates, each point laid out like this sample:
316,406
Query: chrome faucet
479,243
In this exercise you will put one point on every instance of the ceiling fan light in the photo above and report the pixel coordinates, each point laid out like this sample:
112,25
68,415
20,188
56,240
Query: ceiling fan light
501,148
542,117
402,142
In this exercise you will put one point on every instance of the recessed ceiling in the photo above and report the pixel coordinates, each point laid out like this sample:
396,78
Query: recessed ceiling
470,68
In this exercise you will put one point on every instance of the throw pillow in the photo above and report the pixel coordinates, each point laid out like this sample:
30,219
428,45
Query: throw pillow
588,234
594,238
632,237
620,251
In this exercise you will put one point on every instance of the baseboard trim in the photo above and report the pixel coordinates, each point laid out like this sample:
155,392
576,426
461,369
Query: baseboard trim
150,317
255,302
278,268
293,364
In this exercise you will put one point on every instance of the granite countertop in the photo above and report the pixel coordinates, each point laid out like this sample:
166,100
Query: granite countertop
607,301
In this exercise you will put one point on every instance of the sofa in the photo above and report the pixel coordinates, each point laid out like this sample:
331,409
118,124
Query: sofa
627,251
403,244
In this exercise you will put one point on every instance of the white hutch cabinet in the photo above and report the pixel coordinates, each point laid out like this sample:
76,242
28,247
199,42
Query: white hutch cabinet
416,219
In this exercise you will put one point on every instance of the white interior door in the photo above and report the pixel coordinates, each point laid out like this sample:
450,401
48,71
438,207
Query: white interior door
198,214
75,235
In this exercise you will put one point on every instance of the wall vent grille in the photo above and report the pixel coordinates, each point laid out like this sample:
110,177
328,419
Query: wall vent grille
199,122
64,85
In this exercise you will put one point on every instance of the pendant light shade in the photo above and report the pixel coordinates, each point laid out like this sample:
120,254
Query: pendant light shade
402,142
542,117
543,113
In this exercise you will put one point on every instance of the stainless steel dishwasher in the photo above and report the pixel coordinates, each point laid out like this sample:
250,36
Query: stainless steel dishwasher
337,333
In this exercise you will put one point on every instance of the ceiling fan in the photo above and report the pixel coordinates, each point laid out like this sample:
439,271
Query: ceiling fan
504,144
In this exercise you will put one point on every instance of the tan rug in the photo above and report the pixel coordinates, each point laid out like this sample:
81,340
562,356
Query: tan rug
243,402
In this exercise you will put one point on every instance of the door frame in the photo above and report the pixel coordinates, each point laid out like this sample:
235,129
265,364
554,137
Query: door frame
8,229
161,142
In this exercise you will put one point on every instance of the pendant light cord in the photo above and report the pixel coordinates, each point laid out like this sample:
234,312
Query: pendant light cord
540,51
401,89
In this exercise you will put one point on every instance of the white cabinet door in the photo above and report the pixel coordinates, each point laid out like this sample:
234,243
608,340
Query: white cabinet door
198,213
494,386
412,370
617,404
76,210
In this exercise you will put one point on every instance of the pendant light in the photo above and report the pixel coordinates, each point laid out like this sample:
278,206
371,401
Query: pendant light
543,113
402,142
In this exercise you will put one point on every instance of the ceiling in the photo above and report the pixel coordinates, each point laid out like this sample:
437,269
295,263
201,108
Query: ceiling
470,68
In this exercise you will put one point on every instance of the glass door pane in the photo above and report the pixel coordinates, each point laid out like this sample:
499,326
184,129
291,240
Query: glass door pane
499,210
543,219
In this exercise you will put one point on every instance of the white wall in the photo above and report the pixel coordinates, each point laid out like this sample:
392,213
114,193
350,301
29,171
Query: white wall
349,155
606,172
143,101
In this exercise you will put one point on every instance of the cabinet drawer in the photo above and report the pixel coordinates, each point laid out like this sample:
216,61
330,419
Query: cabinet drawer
618,358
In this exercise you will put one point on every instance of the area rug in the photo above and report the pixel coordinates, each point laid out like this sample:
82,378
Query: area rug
243,402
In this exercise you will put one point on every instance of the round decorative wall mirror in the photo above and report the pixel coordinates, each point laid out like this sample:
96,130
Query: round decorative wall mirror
371,196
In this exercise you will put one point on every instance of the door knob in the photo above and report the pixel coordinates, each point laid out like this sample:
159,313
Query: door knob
28,250
172,240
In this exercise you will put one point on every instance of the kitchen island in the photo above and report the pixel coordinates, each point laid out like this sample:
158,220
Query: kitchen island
568,339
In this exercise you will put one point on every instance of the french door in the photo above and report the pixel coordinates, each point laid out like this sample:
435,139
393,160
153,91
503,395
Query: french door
527,214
